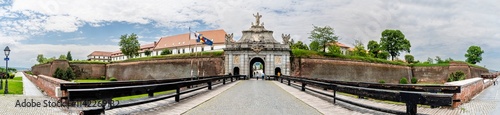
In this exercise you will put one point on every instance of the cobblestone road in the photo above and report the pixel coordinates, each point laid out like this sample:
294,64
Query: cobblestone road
255,98
486,103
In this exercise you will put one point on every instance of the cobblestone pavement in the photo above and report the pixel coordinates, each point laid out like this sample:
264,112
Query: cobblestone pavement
255,98
29,89
486,103
8,106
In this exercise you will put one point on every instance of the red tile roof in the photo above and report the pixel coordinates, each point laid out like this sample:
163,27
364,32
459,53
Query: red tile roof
217,36
100,53
340,45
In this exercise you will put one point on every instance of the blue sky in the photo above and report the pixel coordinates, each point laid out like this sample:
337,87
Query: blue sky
435,28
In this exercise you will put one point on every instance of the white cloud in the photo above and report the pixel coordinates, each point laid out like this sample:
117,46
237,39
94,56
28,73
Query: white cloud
435,28
25,55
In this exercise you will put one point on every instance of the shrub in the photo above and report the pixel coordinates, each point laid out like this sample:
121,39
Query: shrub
403,81
166,51
381,81
112,79
11,76
456,76
70,75
102,78
414,80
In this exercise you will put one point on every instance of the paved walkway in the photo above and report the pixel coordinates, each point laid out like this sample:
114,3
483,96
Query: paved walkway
486,103
29,89
255,98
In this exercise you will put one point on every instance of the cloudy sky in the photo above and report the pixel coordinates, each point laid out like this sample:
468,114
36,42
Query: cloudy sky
435,28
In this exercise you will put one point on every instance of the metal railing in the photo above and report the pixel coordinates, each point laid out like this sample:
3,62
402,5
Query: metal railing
106,91
411,95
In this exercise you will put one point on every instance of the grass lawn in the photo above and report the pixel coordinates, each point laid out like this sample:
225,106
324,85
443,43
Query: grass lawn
142,95
15,85
90,80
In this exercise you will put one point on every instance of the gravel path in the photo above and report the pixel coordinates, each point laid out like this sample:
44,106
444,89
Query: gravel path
255,98
29,89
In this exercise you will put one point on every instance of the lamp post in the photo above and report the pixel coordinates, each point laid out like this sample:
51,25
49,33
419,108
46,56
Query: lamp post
7,52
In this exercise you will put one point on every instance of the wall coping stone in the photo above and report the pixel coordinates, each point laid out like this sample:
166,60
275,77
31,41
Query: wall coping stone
464,83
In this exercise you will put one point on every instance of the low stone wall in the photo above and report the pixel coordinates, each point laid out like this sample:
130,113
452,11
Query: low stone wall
469,89
89,71
165,69
348,70
46,83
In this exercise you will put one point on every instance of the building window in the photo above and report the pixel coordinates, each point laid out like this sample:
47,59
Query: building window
178,51
183,51
202,48
212,48
192,50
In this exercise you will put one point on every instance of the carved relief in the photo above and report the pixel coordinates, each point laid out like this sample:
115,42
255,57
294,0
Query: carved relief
236,59
257,48
277,59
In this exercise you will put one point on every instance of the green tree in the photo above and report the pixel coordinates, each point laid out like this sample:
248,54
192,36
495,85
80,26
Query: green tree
429,60
383,55
147,52
473,54
323,35
68,56
299,45
41,59
62,57
409,58
129,45
59,73
373,48
166,51
359,49
314,46
70,75
394,41
334,49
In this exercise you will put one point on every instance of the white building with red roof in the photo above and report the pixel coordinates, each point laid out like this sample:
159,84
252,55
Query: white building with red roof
179,44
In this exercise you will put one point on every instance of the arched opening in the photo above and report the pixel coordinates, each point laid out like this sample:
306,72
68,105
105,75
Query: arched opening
257,67
277,70
236,71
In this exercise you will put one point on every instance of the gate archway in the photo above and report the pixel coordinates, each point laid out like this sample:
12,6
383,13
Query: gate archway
256,70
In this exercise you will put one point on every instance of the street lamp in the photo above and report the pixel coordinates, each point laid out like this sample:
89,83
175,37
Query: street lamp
7,52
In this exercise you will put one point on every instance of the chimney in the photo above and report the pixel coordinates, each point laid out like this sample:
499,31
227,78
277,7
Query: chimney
155,43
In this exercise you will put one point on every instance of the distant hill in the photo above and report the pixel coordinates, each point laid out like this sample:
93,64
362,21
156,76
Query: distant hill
492,70
18,68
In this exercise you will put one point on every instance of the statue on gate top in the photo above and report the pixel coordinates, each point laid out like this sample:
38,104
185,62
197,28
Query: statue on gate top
257,19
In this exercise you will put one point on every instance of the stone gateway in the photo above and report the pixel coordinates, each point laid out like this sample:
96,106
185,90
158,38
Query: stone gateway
257,45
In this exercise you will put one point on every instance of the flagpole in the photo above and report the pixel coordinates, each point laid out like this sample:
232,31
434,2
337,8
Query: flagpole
196,55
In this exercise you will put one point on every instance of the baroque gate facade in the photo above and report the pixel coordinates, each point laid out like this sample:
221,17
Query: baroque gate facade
257,44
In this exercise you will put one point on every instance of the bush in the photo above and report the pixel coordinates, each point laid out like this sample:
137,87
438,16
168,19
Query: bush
70,75
64,75
102,78
381,81
166,51
29,72
12,76
414,80
403,81
112,79
456,76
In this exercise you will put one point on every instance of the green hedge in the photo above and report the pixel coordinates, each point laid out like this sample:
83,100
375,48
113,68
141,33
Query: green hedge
87,62
310,54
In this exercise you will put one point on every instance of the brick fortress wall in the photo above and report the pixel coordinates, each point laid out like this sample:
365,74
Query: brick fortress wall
165,69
